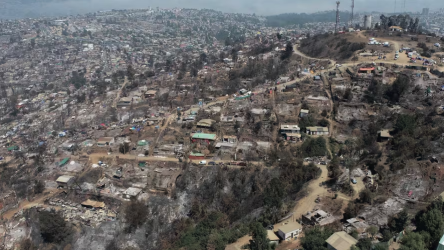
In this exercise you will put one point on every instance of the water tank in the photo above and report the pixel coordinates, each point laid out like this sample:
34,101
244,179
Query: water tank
367,22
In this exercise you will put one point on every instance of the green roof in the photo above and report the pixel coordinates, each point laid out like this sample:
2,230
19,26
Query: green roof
142,143
63,162
204,136
13,148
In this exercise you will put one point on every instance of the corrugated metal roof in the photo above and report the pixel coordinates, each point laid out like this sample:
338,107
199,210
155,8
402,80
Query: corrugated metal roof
64,178
341,241
204,136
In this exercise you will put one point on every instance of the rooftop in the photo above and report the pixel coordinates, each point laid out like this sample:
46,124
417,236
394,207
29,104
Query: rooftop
341,241
64,178
290,227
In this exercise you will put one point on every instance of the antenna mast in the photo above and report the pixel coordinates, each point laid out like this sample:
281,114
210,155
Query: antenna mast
337,16
351,17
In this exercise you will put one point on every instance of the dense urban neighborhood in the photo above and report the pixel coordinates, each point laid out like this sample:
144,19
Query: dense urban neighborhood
196,129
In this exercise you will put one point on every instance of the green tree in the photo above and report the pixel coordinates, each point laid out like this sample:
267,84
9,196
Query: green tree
259,239
373,230
315,238
405,123
432,222
366,196
413,241
399,223
399,86
364,244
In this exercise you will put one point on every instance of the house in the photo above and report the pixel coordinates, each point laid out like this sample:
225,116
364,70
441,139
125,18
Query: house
205,123
384,135
317,130
131,192
65,181
229,138
272,237
203,138
93,204
293,137
289,230
303,113
150,93
290,128
196,156
124,101
105,141
340,241
395,28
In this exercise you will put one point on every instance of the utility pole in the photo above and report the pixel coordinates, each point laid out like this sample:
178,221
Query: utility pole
337,16
351,16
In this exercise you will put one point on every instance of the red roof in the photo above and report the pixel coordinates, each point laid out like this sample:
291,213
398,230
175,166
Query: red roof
367,69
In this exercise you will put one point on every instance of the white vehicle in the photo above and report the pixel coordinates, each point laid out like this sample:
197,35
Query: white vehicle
203,163
338,65
437,45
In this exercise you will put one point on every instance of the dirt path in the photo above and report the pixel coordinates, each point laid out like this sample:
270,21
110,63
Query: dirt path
25,204
303,205
119,93
313,191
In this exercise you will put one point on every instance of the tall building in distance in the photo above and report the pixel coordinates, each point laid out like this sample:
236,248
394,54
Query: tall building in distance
367,22
425,11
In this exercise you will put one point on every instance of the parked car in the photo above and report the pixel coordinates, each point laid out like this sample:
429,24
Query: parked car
354,181
203,163
212,163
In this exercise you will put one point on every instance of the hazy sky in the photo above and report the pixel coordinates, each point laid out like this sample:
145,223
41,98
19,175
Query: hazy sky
262,7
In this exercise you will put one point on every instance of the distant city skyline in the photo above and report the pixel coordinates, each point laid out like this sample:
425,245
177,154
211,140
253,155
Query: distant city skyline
260,7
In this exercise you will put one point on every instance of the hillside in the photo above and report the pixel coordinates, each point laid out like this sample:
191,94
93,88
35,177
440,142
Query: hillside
335,46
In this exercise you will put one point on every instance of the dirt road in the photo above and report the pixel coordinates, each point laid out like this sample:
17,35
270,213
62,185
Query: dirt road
25,204
119,93
303,205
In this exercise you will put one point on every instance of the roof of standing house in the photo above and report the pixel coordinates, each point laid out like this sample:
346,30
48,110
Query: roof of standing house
290,227
385,133
64,178
63,162
272,236
205,123
290,126
441,244
204,136
305,111
151,92
318,129
341,241
125,99
196,154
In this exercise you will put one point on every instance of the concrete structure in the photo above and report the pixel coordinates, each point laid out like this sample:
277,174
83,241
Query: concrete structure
304,112
272,237
124,101
425,11
441,244
367,22
340,241
65,181
205,123
131,192
289,230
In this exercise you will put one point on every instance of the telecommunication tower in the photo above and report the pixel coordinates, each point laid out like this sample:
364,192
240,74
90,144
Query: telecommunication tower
351,16
337,16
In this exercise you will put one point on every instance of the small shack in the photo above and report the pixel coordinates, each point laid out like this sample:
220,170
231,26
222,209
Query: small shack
93,204
65,181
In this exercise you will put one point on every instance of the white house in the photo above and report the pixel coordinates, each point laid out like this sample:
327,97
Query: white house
131,192
289,230
317,130
290,128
